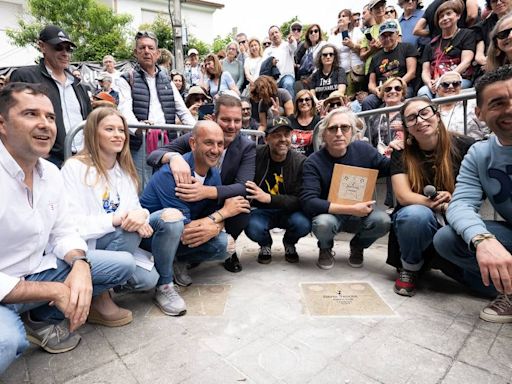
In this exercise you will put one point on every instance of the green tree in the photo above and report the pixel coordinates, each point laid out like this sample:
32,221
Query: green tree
221,42
93,26
202,47
162,28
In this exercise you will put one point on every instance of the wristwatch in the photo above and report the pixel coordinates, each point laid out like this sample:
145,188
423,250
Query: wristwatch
479,238
84,258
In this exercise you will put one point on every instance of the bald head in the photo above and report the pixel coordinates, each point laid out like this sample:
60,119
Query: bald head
207,144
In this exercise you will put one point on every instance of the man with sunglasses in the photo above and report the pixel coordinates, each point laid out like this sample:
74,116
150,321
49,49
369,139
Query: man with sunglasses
70,100
274,193
482,248
338,132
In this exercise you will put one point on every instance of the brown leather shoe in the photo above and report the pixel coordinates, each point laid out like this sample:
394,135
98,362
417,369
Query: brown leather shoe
117,319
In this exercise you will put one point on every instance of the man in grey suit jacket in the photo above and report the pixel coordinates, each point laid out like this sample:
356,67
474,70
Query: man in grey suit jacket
237,165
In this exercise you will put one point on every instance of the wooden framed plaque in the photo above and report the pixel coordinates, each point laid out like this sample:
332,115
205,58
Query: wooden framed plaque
351,185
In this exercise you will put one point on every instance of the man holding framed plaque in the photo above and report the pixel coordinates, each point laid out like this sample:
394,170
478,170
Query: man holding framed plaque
337,200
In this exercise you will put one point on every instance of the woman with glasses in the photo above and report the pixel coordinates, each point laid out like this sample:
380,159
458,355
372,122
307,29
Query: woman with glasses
308,51
328,76
216,80
452,50
303,122
452,113
423,176
232,65
103,185
345,37
500,48
252,63
390,13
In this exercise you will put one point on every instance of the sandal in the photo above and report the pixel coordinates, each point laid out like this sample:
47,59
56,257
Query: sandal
232,264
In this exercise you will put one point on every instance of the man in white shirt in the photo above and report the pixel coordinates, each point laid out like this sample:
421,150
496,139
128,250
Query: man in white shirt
109,65
147,95
43,257
283,51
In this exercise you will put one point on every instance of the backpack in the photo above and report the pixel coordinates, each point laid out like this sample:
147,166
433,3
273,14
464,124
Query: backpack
306,64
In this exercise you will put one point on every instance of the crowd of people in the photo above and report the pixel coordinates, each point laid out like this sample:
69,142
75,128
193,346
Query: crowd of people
78,229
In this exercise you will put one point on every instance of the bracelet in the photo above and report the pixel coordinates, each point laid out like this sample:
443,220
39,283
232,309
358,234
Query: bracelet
479,238
212,218
221,216
83,258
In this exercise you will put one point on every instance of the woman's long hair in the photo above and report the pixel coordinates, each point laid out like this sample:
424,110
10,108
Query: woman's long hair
90,154
444,179
347,12
307,41
335,62
495,56
260,52
217,67
264,88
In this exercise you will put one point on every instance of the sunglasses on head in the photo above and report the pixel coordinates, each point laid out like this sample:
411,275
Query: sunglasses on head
327,54
501,35
142,34
454,84
63,47
397,88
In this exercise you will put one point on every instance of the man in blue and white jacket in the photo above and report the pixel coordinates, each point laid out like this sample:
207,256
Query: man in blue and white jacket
482,248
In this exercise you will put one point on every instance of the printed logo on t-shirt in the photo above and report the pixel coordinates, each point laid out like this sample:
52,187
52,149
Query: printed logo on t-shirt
274,190
110,205
389,68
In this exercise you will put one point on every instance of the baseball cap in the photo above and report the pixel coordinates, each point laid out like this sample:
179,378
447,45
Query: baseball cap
192,51
279,122
105,97
53,35
104,76
295,24
373,3
388,26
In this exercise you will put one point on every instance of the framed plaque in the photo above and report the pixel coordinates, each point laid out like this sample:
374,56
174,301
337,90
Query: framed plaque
351,185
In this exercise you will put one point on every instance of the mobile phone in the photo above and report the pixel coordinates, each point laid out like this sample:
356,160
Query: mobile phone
205,109
344,34
369,36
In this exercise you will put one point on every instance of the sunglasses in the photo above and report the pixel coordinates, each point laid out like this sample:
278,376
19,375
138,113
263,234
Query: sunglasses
332,106
454,84
266,44
314,31
333,129
357,20
425,113
390,12
501,35
397,88
328,54
63,47
304,100
242,42
142,34
296,29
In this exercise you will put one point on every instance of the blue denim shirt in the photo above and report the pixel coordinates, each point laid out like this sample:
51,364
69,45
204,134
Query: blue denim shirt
160,193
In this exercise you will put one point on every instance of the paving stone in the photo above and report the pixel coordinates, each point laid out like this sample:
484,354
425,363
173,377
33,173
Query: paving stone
337,373
111,373
463,373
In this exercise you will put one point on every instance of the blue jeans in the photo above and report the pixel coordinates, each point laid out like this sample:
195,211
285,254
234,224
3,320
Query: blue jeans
213,249
452,247
367,229
296,224
163,244
107,271
288,82
415,227
121,240
425,91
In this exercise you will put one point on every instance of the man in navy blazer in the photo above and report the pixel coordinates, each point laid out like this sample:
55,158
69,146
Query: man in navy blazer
237,166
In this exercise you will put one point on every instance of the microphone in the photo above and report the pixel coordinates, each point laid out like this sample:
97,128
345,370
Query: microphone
430,191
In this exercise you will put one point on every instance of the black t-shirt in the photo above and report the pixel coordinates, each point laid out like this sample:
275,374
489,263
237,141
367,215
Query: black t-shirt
392,63
302,135
483,29
273,182
431,11
325,84
445,54
461,145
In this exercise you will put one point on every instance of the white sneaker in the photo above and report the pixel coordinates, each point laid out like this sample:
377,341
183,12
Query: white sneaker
169,301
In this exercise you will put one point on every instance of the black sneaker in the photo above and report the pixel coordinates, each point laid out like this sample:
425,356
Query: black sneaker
53,338
499,310
290,253
405,284
232,264
325,258
265,255
355,260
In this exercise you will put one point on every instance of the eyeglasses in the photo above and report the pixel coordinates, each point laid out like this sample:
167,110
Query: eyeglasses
397,88
142,34
501,35
296,29
425,113
314,31
333,129
304,100
266,44
327,54
454,84
63,47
